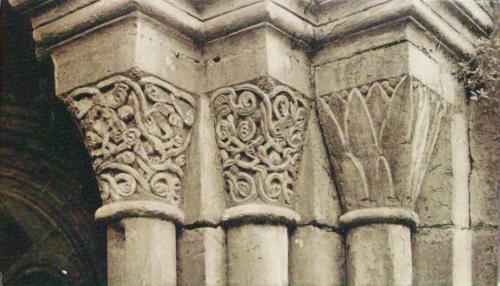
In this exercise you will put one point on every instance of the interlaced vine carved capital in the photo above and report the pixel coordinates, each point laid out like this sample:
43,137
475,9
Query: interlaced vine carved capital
136,130
380,139
260,132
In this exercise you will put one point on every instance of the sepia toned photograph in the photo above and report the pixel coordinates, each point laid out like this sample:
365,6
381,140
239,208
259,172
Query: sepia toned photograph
249,142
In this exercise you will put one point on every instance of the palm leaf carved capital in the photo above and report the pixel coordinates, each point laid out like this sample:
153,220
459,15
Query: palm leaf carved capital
380,139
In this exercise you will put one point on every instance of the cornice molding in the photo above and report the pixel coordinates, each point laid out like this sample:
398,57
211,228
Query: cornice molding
55,20
476,12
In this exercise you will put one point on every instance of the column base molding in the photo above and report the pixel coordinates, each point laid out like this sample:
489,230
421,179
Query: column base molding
379,215
139,208
260,213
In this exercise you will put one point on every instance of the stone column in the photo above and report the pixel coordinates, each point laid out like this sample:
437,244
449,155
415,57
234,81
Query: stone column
121,74
136,131
259,89
260,130
384,82
381,137
379,74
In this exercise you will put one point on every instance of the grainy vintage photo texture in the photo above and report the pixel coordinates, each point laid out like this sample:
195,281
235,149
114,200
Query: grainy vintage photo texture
249,142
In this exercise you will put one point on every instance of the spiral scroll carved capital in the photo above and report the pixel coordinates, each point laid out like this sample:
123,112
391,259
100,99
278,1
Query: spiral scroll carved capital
136,130
260,131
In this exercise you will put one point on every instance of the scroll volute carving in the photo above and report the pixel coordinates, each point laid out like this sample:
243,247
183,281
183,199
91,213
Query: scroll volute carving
260,132
380,139
136,131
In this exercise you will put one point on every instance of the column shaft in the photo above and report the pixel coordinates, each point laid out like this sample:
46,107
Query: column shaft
258,255
141,251
379,254
316,257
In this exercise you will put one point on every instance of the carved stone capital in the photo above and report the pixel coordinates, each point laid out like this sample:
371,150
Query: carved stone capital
260,131
380,138
136,129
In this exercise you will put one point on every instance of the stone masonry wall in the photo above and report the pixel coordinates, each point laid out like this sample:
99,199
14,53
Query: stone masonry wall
280,142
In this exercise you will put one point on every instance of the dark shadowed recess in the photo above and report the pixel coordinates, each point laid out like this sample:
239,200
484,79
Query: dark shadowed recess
48,192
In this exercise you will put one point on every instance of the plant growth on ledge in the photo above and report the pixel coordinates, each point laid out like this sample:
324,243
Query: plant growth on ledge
480,73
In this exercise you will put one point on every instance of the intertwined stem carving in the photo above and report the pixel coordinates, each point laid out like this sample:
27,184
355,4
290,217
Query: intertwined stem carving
260,133
136,132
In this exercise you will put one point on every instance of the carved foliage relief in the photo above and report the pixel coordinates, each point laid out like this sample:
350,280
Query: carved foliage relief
380,139
260,132
136,132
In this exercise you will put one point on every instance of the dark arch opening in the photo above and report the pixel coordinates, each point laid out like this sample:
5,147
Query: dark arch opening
13,240
48,191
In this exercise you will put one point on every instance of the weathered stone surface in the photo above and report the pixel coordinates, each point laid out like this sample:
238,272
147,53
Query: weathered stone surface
462,256
382,55
455,256
202,257
168,54
316,257
224,59
141,251
485,155
203,195
460,166
316,199
270,54
485,256
257,255
435,202
382,73
115,47
379,254
433,256
288,61
384,215
361,69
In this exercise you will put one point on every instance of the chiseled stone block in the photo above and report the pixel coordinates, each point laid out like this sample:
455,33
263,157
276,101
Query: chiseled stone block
451,256
316,256
485,256
141,251
203,196
201,257
270,54
224,59
484,189
115,47
316,196
435,202
484,182
432,256
379,254
257,254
